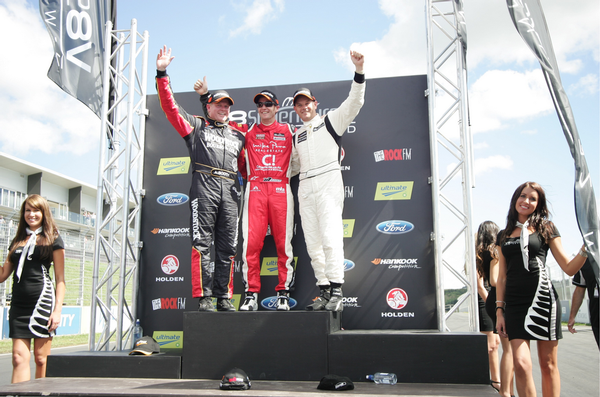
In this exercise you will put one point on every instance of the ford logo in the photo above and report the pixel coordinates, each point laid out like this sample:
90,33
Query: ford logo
395,227
348,265
171,199
270,303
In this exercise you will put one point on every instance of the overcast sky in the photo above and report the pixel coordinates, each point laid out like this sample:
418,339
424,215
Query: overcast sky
517,136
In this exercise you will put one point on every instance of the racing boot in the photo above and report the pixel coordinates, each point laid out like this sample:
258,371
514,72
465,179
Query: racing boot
335,303
283,300
205,304
250,303
320,302
225,305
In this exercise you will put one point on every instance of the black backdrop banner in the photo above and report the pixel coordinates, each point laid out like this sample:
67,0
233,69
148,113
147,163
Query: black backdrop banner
388,220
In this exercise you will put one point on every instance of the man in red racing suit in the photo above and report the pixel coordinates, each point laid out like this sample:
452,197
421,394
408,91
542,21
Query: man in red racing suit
216,152
268,199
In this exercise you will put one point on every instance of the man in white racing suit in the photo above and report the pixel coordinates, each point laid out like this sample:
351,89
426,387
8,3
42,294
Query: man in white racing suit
316,153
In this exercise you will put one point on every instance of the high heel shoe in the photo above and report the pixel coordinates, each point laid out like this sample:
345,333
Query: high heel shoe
492,384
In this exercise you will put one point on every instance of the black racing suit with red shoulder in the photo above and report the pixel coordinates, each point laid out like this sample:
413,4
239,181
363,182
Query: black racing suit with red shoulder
268,200
216,152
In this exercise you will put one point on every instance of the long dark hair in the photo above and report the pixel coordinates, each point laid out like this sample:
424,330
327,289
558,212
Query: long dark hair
485,242
539,220
49,229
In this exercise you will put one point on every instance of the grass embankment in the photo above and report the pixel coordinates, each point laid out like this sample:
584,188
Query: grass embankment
57,341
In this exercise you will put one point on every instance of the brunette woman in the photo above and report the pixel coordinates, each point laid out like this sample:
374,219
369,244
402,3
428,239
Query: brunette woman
527,306
36,304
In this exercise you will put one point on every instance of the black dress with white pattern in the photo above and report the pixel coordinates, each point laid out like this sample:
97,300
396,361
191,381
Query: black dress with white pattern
33,297
532,305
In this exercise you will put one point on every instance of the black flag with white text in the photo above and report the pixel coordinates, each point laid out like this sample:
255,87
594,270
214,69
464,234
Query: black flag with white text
76,28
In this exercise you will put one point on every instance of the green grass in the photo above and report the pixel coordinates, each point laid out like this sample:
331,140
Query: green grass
57,341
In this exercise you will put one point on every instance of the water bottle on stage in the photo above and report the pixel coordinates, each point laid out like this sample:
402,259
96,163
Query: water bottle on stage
383,378
138,332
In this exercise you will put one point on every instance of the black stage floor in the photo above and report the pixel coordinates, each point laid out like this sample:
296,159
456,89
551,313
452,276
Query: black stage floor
123,387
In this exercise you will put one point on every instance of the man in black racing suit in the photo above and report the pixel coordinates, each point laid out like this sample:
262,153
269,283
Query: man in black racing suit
216,150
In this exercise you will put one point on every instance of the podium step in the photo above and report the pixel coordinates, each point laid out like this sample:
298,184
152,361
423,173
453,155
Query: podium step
266,345
114,365
415,356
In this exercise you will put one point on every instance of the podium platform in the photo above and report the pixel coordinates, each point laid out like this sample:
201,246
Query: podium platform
121,387
292,346
268,345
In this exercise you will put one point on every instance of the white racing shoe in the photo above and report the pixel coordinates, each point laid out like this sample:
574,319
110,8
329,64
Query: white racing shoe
283,300
250,303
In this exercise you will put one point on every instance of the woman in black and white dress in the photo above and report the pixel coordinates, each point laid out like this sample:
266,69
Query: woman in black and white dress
527,307
36,304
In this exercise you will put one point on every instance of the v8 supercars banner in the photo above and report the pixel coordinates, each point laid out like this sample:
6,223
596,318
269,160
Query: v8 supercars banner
76,28
389,261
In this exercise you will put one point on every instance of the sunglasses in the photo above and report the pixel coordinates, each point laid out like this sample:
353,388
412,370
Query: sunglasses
267,104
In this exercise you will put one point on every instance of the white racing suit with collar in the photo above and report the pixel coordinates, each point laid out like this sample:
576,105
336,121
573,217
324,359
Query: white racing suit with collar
317,154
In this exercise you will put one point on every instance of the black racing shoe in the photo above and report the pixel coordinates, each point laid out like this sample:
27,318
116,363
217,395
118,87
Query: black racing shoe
225,305
283,300
320,302
335,303
250,303
206,305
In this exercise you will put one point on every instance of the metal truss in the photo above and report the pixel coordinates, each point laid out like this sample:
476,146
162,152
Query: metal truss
118,202
451,156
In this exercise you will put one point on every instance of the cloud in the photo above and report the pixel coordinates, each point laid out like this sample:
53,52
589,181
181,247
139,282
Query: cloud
487,164
401,51
257,15
493,39
36,114
587,85
501,96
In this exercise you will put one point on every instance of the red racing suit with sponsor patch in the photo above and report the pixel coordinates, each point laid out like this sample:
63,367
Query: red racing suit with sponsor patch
216,152
268,201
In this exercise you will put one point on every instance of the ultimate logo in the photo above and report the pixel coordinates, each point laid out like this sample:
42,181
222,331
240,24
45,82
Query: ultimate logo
393,191
173,166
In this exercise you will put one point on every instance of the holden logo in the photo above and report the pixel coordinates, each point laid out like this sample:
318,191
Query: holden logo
171,199
348,265
395,227
169,264
397,298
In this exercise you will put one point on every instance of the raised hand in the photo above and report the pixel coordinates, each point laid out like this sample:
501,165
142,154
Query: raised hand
163,59
358,60
201,86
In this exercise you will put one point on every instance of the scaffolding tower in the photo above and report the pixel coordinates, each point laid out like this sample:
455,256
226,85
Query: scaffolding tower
119,195
451,156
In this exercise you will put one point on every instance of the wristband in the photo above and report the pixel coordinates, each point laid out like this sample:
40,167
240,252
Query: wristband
501,308
583,252
501,302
